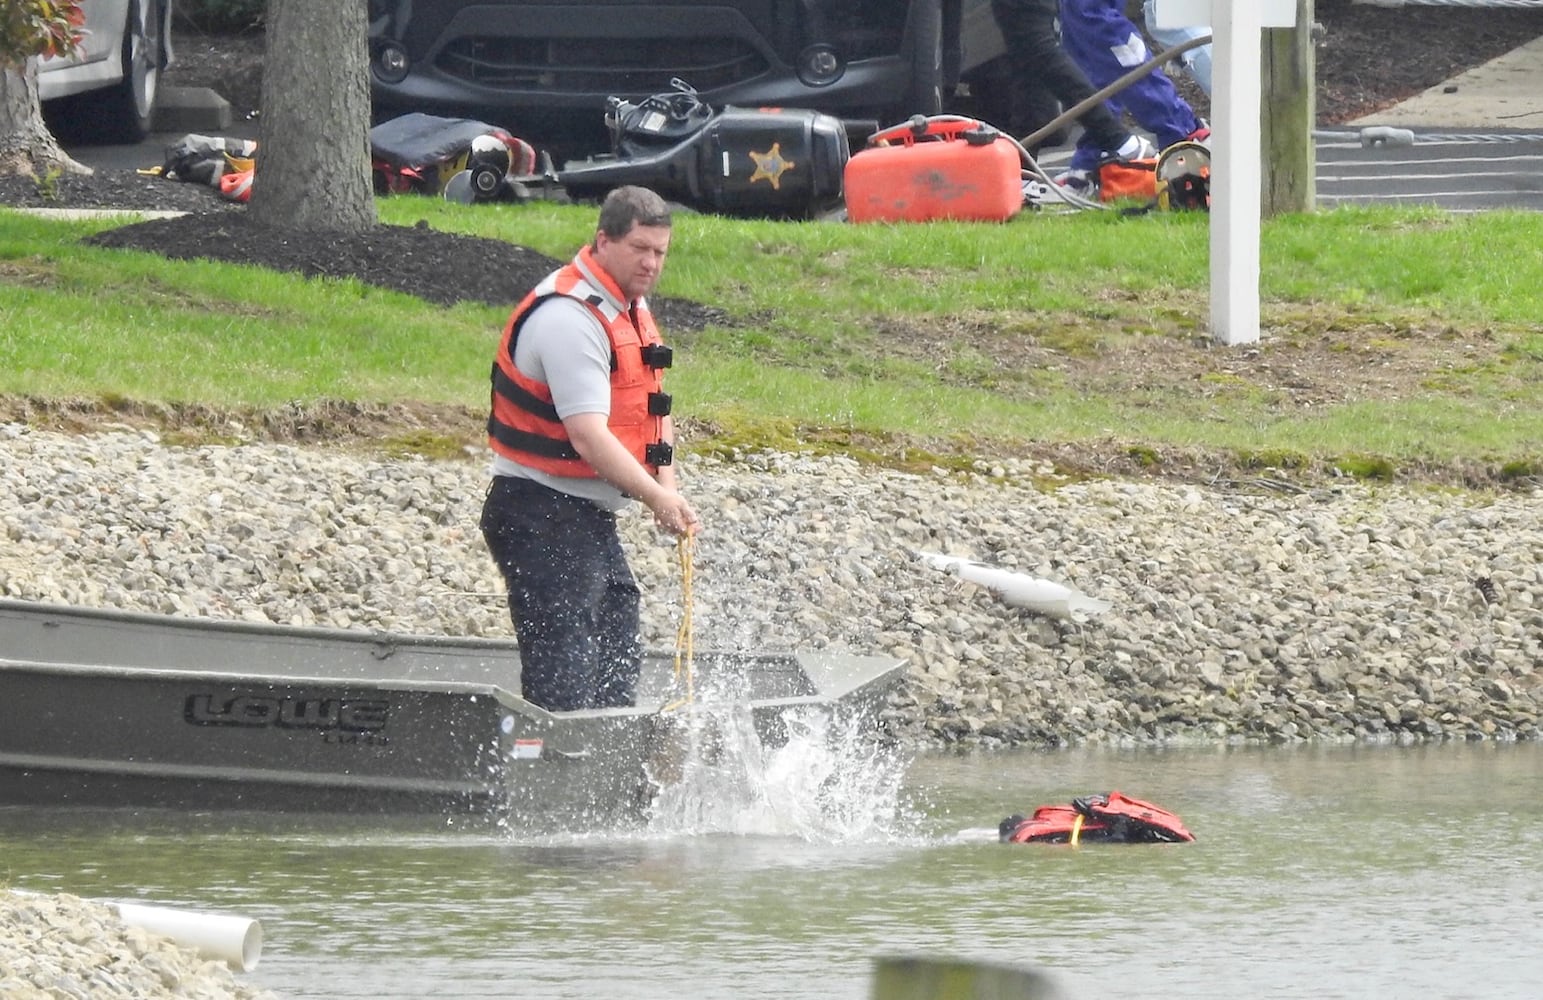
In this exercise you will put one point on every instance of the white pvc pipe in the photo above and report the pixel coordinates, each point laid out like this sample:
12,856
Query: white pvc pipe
236,941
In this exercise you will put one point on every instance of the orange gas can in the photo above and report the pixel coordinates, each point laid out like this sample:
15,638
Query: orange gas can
943,167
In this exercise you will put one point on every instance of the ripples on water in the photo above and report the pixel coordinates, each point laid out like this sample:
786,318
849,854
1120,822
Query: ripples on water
1318,872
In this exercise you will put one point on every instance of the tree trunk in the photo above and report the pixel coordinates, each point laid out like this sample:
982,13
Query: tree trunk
26,144
1289,114
313,148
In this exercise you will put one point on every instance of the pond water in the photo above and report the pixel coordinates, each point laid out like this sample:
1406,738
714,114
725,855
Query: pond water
1365,871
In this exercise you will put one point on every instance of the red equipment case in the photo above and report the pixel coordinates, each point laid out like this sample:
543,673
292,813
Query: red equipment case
943,167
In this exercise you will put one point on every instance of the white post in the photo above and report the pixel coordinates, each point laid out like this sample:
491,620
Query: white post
1236,176
1235,171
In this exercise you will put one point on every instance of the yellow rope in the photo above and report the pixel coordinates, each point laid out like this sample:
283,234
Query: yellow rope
684,654
1076,830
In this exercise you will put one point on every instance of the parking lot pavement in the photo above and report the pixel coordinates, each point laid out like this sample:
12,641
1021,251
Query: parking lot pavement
1454,171
182,110
1477,143
150,153
1457,171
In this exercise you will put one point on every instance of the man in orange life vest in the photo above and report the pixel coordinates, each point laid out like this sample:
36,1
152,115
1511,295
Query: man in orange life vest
579,427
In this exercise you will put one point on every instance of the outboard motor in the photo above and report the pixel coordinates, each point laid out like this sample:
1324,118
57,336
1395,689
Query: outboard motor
772,162
655,123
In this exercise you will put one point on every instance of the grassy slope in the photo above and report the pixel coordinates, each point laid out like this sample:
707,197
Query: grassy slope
1407,336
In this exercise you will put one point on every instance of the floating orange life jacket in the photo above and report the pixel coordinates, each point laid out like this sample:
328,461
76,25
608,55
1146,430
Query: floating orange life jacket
1109,818
523,425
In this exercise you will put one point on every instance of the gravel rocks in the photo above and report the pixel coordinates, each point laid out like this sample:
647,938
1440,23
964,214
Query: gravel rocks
1357,613
66,948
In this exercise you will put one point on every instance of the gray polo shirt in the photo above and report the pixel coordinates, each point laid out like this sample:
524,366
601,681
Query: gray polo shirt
564,345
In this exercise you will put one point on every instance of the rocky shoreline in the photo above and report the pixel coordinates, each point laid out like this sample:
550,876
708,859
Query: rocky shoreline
1281,613
66,948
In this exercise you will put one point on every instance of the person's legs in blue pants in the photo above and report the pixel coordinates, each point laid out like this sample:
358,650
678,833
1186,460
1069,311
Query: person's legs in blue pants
1104,42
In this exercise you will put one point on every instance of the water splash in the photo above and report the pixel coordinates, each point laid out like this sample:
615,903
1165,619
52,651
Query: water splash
830,782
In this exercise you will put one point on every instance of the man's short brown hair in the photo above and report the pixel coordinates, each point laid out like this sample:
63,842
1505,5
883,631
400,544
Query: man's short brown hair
629,205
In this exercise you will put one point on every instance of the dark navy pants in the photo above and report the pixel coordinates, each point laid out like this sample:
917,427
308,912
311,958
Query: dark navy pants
1041,67
572,597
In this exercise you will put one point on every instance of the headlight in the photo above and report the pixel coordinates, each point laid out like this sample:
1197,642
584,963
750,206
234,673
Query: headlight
391,63
820,65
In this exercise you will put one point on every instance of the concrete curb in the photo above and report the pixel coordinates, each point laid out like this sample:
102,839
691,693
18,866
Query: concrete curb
191,109
76,214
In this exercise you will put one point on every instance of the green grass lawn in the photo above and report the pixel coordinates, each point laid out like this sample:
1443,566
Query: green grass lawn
1394,339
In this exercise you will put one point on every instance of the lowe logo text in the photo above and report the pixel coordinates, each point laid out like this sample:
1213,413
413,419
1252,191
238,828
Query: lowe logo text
354,715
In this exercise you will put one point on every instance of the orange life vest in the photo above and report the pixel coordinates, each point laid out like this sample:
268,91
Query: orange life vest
523,425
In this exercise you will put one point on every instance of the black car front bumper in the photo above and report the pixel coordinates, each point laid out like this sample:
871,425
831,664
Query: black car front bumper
512,61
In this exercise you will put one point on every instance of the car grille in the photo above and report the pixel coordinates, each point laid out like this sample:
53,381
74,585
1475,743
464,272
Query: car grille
568,65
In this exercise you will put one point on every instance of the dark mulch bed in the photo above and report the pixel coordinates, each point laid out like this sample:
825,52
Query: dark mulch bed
1370,57
439,267
111,189
444,268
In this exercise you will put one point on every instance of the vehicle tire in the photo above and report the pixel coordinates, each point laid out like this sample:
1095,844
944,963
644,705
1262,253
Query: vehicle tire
125,113
925,96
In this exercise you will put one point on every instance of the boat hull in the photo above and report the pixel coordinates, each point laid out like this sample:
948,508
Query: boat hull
104,708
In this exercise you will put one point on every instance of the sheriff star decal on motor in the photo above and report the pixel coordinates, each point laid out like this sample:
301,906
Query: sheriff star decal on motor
770,166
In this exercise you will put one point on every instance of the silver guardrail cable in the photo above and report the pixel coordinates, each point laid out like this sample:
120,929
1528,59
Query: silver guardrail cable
1382,135
1533,4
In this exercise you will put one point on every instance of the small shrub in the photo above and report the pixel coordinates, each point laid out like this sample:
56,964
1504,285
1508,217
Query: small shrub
1366,467
1223,378
1143,456
1521,469
426,444
48,184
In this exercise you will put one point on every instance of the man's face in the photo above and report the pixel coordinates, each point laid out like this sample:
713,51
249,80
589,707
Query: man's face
635,259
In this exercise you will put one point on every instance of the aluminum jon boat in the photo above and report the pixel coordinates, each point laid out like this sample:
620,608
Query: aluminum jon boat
111,708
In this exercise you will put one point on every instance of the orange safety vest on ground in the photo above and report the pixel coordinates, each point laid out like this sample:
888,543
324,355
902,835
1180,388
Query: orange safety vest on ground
523,425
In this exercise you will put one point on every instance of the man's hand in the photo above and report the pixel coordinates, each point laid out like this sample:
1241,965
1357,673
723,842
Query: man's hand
595,443
674,514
